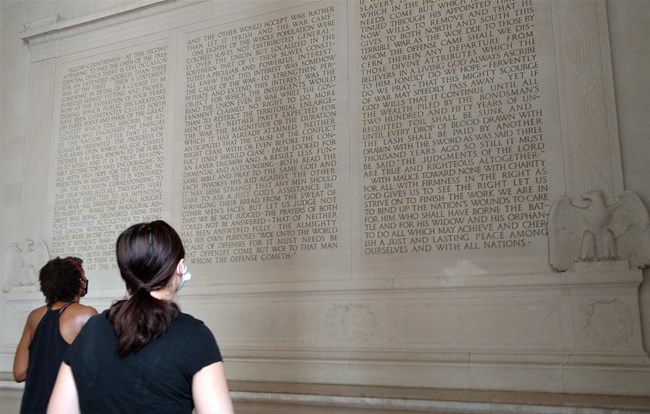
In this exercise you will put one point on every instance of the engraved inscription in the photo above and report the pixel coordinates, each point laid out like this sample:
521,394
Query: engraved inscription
110,154
260,172
453,145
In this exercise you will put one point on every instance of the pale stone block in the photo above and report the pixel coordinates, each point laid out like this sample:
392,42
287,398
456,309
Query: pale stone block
403,274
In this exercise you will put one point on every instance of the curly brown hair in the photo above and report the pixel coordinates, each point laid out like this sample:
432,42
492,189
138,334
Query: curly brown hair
60,279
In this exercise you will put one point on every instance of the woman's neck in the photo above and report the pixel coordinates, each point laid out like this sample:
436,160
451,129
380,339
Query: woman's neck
163,294
59,304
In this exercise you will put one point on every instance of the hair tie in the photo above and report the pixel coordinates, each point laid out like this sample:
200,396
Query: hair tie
75,264
143,288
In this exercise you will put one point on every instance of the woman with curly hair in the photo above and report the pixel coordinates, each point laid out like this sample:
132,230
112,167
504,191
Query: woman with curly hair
50,329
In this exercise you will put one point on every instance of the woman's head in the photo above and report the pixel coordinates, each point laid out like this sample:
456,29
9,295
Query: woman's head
148,255
62,279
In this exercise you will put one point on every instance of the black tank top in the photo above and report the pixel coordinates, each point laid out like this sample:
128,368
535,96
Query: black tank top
45,355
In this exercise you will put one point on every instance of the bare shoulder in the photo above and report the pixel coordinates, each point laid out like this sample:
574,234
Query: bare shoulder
81,311
73,319
33,319
36,315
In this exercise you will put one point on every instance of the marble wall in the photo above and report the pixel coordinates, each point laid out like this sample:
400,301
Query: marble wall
370,192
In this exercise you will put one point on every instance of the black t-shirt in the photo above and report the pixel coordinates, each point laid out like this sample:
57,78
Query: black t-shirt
156,379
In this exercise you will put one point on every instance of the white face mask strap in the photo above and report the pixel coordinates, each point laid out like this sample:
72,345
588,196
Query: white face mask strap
185,276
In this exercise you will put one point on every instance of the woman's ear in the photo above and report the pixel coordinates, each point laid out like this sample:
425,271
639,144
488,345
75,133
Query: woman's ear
180,267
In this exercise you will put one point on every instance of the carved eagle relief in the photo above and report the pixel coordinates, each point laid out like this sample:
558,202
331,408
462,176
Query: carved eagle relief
596,231
23,262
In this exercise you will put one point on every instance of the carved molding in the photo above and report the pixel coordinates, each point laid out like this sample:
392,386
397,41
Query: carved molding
607,322
355,322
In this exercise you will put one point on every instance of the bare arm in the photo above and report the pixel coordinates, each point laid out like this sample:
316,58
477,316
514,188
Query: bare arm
210,390
21,359
64,397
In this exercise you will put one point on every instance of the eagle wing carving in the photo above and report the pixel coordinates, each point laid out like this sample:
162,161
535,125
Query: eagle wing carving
630,225
565,228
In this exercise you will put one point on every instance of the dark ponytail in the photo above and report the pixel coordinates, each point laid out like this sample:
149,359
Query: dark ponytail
147,256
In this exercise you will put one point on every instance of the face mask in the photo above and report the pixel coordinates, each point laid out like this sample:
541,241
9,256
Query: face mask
184,278
85,287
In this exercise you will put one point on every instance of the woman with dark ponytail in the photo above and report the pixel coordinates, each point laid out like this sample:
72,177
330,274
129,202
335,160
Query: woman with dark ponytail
143,355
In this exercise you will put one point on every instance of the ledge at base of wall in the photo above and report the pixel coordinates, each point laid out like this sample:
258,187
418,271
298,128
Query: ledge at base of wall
285,398
320,398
